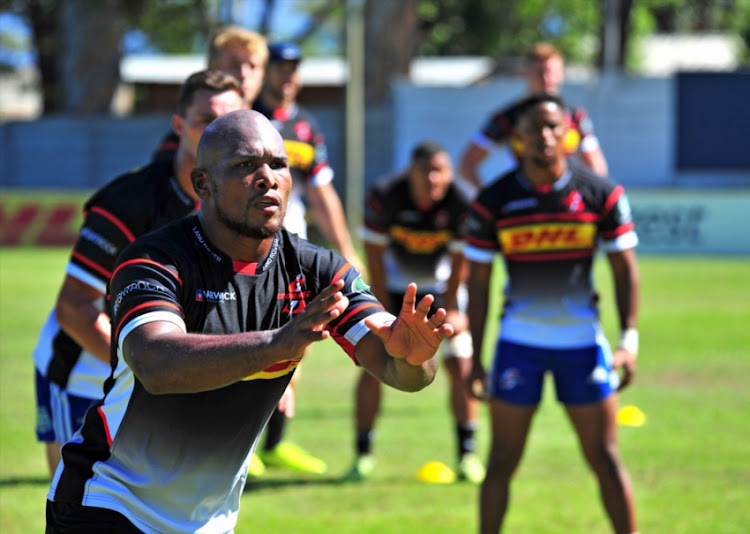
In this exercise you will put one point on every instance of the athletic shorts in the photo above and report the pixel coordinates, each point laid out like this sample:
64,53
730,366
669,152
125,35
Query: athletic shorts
68,518
458,346
58,414
581,376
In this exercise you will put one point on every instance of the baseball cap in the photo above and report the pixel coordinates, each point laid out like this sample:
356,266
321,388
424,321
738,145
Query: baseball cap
284,51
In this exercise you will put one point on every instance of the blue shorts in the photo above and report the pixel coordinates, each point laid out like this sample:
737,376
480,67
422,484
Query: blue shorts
58,414
582,376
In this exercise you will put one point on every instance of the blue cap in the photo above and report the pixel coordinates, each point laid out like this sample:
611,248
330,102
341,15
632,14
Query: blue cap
285,51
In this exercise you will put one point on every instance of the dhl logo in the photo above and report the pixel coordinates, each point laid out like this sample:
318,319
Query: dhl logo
548,237
301,155
420,242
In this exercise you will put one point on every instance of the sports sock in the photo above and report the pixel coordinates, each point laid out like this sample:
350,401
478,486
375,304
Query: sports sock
275,429
465,434
364,442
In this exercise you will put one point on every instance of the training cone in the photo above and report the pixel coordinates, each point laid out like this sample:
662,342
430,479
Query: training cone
436,473
630,416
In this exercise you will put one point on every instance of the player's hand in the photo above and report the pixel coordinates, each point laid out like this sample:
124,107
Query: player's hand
624,362
476,382
413,336
287,402
309,325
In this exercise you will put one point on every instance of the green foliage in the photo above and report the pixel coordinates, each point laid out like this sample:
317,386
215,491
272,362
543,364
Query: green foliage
509,28
690,462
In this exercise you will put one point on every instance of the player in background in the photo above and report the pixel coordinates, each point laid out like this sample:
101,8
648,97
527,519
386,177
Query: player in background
312,184
239,52
544,71
72,356
412,234
547,219
205,340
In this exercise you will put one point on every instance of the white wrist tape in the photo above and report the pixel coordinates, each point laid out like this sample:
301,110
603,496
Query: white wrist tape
629,341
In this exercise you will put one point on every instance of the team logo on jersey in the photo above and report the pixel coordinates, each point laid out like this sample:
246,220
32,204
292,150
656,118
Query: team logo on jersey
547,237
574,202
420,242
296,295
510,379
303,131
360,286
301,155
205,295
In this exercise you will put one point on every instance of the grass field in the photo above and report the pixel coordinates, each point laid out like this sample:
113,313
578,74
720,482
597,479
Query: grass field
690,462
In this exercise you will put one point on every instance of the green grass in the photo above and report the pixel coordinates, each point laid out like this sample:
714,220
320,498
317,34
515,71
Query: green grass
690,462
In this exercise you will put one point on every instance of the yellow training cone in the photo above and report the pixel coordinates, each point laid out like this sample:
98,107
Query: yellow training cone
436,473
630,416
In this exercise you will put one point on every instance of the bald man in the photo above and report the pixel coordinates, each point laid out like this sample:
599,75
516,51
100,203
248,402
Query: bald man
210,317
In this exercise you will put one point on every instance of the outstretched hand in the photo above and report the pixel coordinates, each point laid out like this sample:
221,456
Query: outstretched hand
413,336
309,325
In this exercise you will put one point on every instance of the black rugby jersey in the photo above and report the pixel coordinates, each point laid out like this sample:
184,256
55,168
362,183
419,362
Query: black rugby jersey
548,237
418,241
125,208
136,452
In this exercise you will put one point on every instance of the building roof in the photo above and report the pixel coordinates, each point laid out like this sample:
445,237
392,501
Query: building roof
314,71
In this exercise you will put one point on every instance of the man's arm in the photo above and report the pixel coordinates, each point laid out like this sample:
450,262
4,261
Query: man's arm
596,161
480,275
471,159
374,254
78,316
329,216
402,353
167,360
626,278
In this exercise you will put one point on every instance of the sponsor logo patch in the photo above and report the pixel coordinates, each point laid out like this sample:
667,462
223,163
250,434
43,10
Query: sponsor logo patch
547,237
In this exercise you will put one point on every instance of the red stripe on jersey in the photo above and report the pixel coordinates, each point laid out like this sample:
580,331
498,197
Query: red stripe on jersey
357,310
480,243
114,220
243,267
614,196
106,425
620,230
551,256
547,217
280,366
147,262
340,273
346,345
98,268
484,212
140,307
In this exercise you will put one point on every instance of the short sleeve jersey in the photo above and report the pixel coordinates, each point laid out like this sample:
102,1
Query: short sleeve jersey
308,157
129,206
418,241
178,462
548,237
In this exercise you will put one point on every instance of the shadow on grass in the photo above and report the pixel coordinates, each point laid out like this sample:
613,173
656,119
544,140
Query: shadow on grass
25,481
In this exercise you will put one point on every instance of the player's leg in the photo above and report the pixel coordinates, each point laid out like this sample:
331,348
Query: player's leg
456,353
515,389
367,398
510,427
587,388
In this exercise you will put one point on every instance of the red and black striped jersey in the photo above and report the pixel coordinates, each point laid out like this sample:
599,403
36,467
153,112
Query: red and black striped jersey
548,237
178,462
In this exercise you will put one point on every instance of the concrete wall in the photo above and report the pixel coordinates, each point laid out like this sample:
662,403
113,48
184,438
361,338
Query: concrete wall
634,119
